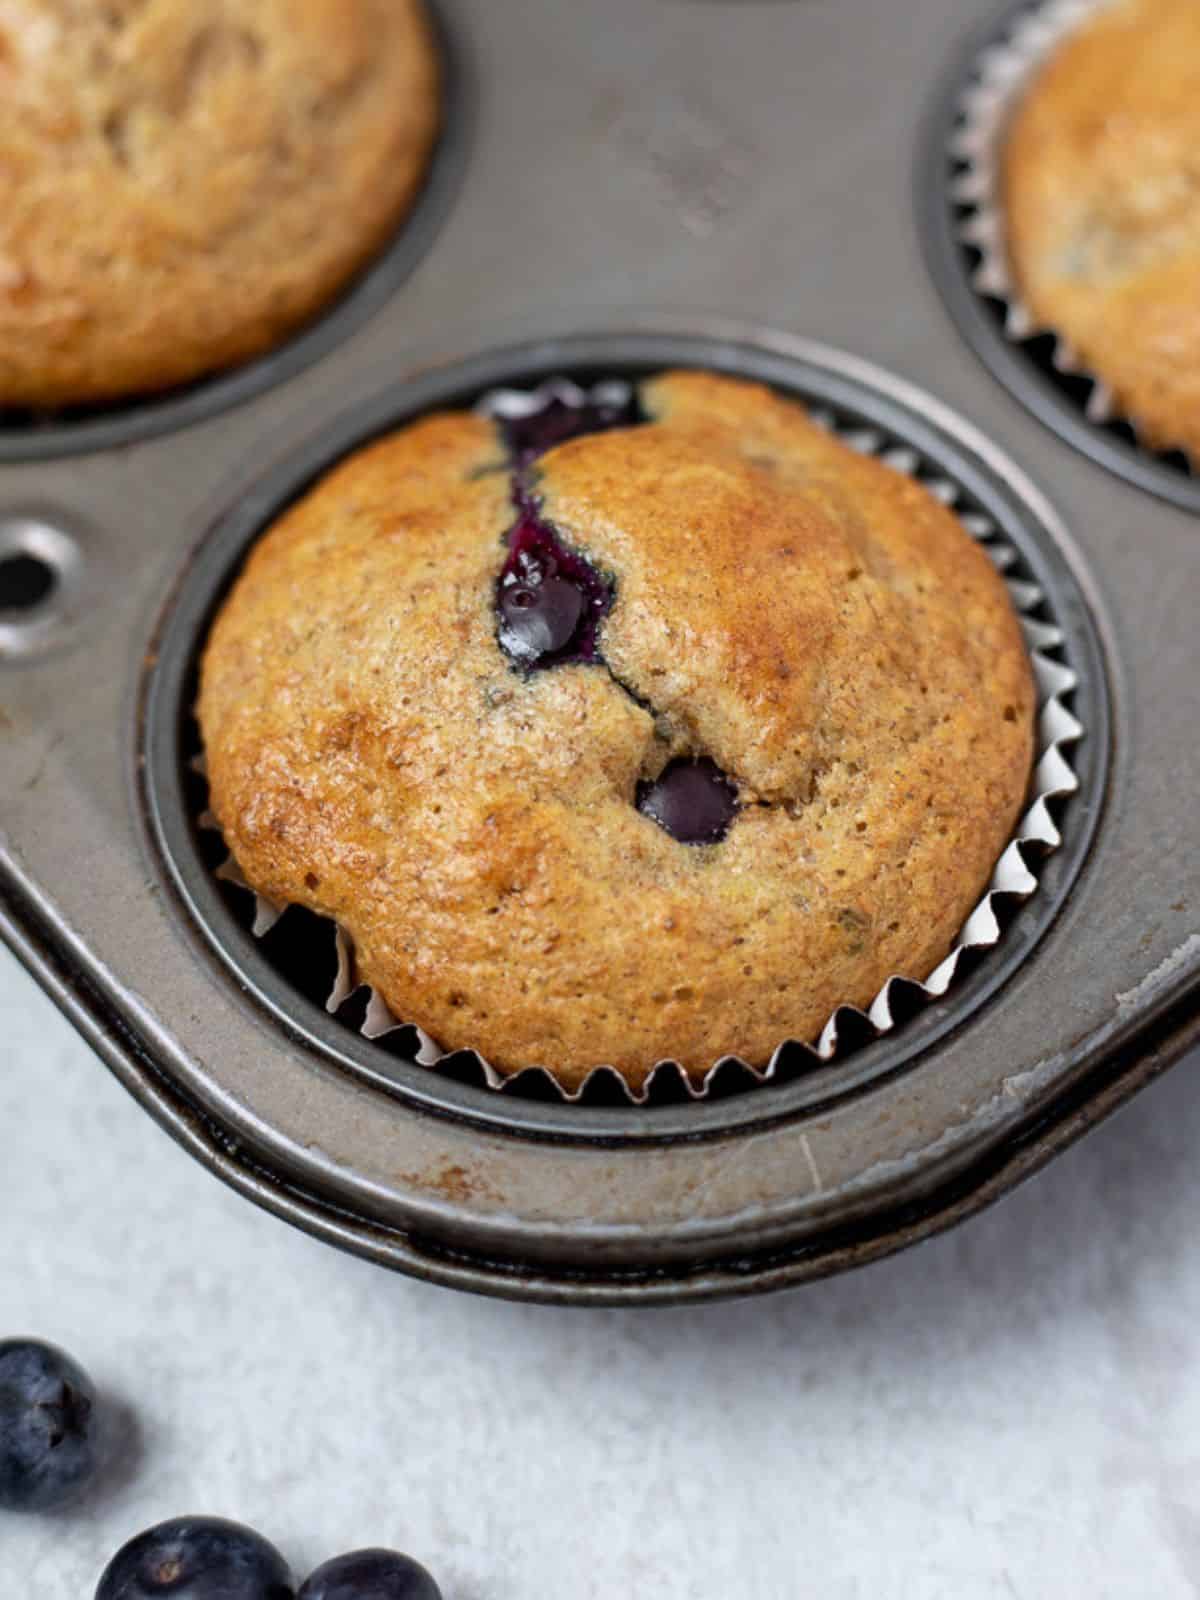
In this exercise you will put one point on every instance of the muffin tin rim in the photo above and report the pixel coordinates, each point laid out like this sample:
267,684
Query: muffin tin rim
1170,1029
792,364
1005,360
125,422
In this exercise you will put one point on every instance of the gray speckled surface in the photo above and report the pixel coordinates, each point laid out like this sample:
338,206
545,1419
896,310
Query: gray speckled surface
1009,1411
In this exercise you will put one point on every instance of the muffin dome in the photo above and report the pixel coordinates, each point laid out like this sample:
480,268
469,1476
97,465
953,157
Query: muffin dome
185,182
1102,204
806,629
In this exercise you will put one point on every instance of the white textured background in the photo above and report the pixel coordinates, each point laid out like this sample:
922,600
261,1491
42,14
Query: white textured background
1012,1410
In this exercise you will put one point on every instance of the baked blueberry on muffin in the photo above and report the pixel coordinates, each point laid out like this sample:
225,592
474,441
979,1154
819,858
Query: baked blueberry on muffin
1102,205
183,183
661,741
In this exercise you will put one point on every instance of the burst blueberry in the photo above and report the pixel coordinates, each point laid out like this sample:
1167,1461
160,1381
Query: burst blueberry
550,602
371,1575
693,801
549,598
48,1426
560,420
539,618
197,1558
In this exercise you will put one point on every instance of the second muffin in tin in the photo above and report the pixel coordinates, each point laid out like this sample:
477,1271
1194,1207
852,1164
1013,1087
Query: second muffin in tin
715,729
1101,196
184,183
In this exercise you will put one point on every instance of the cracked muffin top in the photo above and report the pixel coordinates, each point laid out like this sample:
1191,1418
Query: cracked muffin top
660,742
1102,204
183,183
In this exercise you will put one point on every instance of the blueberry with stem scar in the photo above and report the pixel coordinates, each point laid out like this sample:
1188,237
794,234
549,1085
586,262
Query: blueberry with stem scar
197,1558
47,1426
693,801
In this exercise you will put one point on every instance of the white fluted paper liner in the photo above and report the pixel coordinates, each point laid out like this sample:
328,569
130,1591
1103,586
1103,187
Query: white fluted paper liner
514,404
1015,873
1005,72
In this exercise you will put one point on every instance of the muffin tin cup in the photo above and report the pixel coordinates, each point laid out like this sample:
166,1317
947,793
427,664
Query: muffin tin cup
1003,72
1014,879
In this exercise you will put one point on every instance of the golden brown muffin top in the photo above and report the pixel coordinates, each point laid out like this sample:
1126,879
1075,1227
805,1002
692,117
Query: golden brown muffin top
817,624
184,182
1102,204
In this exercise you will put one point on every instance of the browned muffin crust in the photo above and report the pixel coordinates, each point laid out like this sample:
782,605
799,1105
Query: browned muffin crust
1102,205
812,620
185,182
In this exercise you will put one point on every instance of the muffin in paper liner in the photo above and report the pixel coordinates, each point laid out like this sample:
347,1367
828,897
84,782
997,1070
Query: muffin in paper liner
1014,878
1004,72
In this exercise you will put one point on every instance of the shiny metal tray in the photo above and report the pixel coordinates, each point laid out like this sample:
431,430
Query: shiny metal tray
623,184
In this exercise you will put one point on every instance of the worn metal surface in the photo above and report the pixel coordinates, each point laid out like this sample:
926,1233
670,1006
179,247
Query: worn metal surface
726,160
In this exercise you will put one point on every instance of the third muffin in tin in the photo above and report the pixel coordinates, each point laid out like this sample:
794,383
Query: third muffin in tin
1101,197
655,733
184,183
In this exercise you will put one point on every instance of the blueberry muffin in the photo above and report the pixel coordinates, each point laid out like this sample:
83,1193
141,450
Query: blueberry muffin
660,740
183,183
1102,206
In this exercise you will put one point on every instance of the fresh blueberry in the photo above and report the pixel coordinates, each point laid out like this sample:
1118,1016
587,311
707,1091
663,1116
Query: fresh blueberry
693,801
197,1558
550,600
371,1575
47,1426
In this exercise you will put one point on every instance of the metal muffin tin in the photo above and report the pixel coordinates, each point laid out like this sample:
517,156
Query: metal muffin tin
749,165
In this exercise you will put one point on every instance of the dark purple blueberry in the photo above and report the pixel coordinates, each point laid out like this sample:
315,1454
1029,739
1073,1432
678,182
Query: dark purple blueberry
48,1426
539,619
371,1575
550,600
693,801
559,420
197,1558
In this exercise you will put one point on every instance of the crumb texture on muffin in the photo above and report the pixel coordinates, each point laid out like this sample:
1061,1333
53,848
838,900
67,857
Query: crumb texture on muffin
183,183
1102,208
813,622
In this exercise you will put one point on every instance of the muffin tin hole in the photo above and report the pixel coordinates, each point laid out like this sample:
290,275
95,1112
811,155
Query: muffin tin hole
41,569
1030,366
26,581
291,974
27,435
